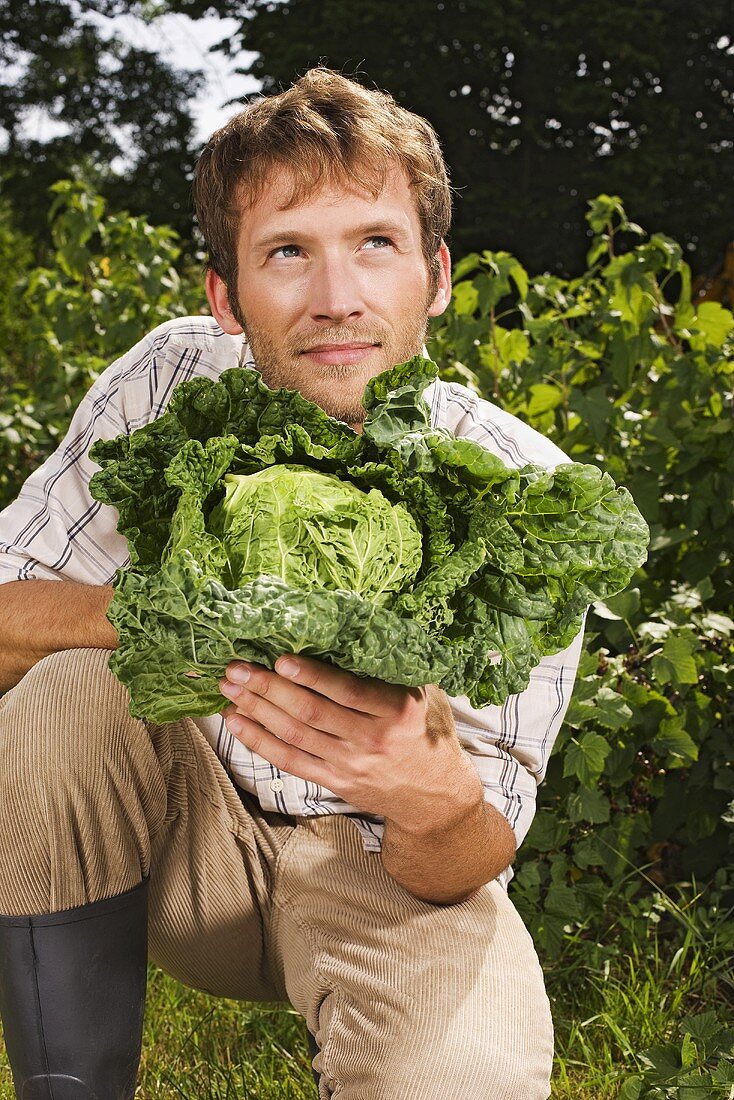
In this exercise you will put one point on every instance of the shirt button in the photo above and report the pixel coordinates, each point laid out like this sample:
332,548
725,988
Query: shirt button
276,784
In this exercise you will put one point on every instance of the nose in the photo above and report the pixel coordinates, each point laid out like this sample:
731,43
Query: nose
335,293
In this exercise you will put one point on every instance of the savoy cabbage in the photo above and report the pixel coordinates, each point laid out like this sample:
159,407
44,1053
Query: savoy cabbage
257,525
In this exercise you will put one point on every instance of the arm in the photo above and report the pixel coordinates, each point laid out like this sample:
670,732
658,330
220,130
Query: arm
444,857
55,534
41,617
446,864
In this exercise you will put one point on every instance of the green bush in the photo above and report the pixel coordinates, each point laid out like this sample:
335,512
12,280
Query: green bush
108,280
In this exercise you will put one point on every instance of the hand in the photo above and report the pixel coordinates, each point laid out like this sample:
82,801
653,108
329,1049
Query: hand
383,748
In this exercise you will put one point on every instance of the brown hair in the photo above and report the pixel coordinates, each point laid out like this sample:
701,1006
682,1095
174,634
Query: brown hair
326,128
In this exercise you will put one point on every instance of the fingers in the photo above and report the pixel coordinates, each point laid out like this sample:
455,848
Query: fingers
361,693
253,688
286,757
293,723
344,732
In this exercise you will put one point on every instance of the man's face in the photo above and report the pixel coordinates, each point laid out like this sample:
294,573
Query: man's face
331,292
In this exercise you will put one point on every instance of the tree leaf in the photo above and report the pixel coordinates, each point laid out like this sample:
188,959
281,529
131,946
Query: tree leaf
676,662
465,298
547,833
542,398
673,742
611,709
587,805
585,758
714,322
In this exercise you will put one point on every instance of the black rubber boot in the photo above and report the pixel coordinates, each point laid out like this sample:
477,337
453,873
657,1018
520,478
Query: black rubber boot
72,998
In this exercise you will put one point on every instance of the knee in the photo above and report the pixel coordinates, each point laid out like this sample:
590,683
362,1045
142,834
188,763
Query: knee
479,1068
519,1071
67,710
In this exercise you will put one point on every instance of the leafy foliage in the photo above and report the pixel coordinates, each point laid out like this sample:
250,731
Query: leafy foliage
118,110
112,277
16,260
697,1065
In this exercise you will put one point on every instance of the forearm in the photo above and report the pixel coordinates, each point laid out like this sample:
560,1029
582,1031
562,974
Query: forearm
41,617
448,864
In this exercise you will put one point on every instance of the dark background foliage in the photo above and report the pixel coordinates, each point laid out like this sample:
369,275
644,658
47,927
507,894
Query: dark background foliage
127,112
539,107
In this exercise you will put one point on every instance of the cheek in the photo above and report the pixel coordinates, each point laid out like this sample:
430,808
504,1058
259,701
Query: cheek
400,290
265,293
270,306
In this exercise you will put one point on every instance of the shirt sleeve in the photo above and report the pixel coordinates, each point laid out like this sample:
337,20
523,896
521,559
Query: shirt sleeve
54,529
510,745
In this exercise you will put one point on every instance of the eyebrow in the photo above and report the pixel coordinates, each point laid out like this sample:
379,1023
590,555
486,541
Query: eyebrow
368,229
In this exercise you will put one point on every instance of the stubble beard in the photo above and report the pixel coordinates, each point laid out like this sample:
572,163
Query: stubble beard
336,388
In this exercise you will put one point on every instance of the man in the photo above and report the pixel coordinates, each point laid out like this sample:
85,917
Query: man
338,842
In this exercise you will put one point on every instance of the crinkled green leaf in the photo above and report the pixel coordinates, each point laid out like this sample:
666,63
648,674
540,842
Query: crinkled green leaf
189,627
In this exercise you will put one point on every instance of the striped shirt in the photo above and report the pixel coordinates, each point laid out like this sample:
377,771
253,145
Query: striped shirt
55,530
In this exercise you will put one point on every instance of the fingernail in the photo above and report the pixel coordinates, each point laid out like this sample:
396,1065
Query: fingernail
239,675
228,689
287,667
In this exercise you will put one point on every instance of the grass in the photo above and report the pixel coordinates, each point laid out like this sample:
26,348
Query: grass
611,1000
672,960
623,1012
196,1046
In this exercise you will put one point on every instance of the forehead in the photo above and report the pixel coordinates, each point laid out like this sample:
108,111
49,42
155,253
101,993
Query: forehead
339,198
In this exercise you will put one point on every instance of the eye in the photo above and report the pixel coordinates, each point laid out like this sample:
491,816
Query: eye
284,248
385,240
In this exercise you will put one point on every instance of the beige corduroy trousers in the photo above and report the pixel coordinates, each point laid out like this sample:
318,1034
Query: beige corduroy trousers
407,1000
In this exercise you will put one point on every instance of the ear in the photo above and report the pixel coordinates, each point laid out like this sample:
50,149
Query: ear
218,298
443,294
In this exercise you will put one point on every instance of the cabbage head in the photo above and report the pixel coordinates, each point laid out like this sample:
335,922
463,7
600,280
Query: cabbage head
315,531
258,525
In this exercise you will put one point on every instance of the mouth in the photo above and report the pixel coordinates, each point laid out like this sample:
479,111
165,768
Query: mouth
340,353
